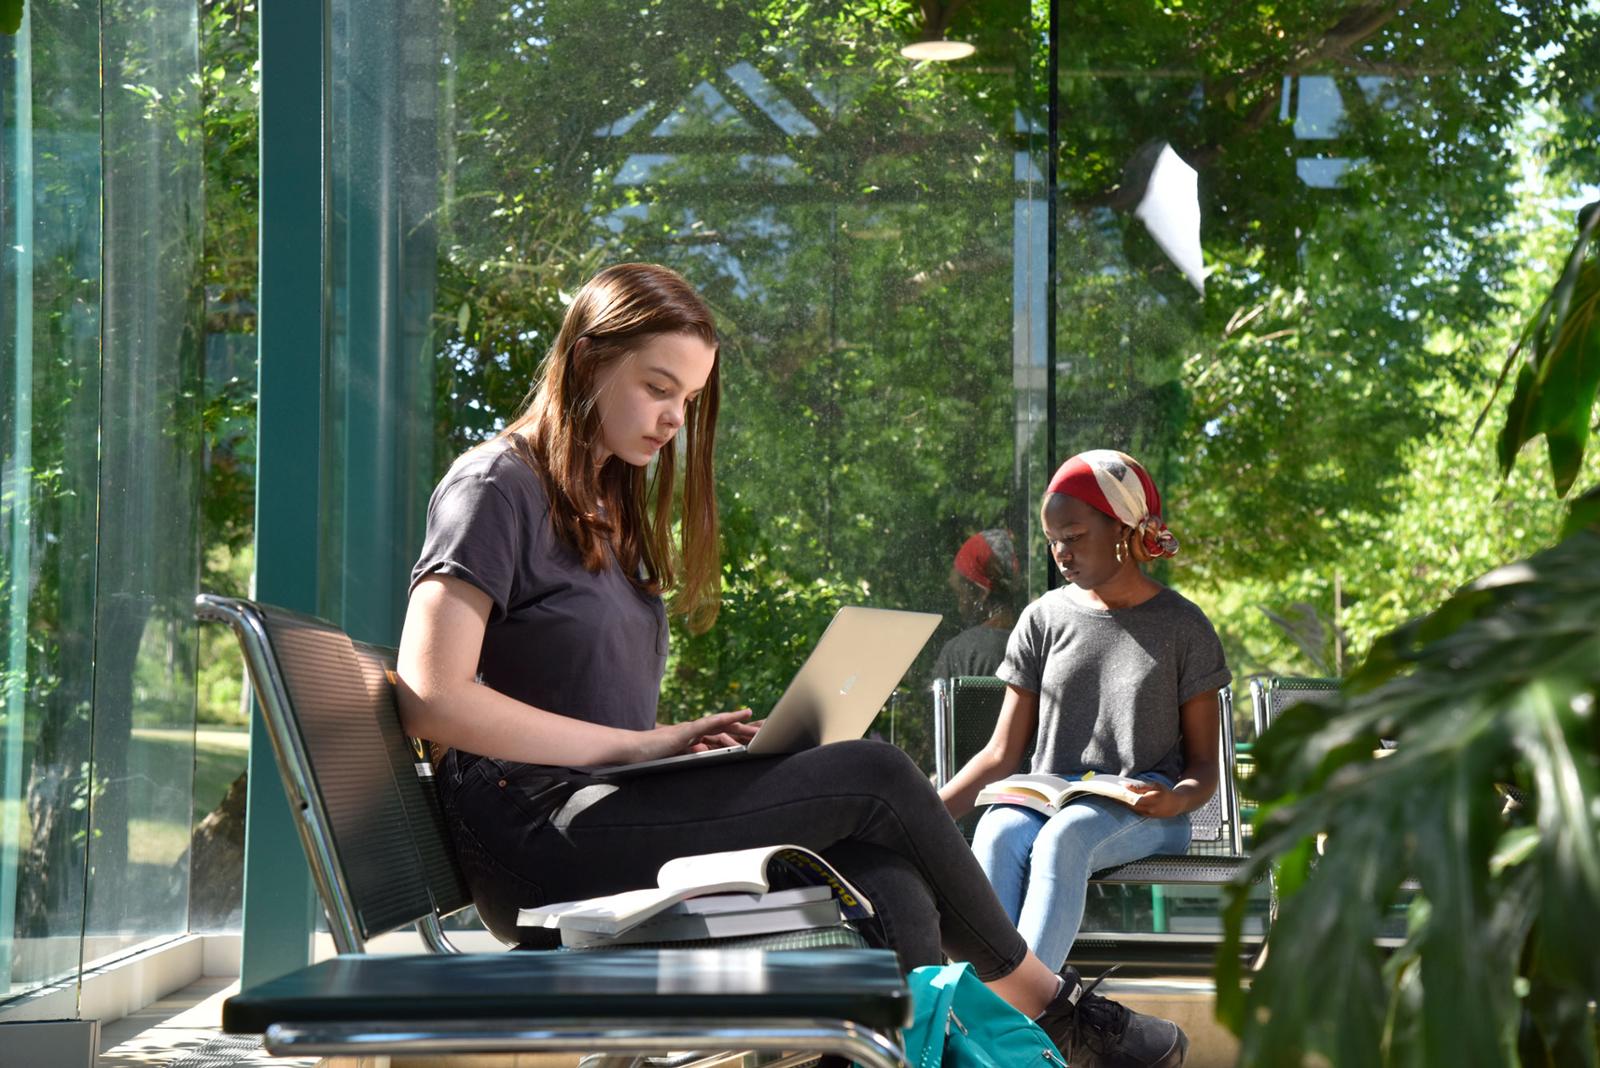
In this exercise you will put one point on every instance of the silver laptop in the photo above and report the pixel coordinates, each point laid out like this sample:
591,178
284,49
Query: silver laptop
835,695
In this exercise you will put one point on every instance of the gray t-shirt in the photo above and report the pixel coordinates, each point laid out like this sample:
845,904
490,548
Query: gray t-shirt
590,646
1110,682
975,651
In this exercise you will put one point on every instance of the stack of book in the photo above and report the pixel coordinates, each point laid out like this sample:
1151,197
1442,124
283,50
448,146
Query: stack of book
711,896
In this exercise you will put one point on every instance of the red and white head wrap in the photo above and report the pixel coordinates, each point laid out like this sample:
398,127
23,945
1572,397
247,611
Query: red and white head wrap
1117,485
987,556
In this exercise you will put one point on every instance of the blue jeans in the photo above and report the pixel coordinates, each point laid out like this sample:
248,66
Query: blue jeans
1040,866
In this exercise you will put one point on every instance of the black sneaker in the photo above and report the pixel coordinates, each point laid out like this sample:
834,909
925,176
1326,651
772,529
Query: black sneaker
1095,1032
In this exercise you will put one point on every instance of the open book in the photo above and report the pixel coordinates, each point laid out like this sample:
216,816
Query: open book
1047,793
758,871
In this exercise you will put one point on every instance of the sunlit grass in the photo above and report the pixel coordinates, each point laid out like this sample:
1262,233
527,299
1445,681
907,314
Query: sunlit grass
156,841
216,756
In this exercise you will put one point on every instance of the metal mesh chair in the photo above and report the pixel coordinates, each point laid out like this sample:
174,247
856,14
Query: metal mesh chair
374,834
1216,850
1271,694
957,738
368,815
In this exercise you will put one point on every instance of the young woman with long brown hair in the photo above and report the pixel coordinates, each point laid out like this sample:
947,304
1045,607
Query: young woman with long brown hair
534,646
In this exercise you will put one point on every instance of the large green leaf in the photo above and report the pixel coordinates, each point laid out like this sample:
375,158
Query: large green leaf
1498,686
10,16
1560,369
1585,512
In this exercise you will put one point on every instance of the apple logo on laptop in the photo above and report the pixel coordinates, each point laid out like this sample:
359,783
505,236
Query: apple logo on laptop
844,687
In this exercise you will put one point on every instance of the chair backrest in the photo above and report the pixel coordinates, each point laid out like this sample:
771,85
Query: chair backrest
958,737
967,707
1271,694
370,824
412,767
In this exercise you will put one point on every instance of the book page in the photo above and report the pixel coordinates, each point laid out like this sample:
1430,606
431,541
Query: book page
1045,783
606,914
712,873
1117,787
1055,790
755,870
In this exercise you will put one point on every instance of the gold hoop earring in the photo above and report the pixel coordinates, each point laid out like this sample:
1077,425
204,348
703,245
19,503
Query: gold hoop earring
1121,551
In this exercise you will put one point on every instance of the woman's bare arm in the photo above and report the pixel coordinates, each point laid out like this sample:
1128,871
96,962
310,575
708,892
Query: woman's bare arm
1198,718
440,699
1019,718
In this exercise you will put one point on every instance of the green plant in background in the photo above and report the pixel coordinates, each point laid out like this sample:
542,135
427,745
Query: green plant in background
1557,380
1491,801
776,616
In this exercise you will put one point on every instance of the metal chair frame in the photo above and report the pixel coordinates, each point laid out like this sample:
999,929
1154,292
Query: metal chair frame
449,1038
425,883
1271,694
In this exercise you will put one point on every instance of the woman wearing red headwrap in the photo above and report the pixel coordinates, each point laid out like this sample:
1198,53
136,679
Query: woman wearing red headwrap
1114,672
984,579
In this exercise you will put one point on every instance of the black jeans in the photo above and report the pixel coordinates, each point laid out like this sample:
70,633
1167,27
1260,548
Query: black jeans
527,838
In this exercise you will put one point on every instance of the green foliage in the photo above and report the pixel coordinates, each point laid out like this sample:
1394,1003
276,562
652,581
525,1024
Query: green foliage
1560,372
1492,695
230,99
230,94
1499,686
770,620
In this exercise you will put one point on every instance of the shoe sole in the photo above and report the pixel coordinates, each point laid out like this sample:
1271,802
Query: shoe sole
1177,1055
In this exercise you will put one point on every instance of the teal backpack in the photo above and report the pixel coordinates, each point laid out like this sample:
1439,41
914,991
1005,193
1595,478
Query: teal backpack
959,1023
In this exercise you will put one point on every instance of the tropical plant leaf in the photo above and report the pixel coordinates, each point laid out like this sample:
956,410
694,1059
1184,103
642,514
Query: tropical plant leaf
1559,372
1583,512
1302,624
10,16
1574,377
1498,686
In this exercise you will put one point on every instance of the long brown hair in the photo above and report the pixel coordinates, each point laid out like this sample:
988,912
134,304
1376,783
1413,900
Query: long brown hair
616,505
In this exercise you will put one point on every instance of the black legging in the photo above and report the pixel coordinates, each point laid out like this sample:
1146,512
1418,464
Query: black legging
863,805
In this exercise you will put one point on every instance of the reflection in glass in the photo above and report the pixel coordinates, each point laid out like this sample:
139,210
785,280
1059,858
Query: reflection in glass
148,561
869,231
99,205
49,401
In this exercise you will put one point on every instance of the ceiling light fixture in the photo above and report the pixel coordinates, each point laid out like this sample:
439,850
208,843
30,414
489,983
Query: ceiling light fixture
938,51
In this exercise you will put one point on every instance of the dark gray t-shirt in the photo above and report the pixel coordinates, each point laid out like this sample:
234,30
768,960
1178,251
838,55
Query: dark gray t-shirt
975,651
1110,682
590,646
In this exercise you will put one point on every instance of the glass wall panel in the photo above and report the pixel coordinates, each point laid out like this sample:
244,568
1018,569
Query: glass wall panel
50,290
869,229
100,207
1295,245
144,716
